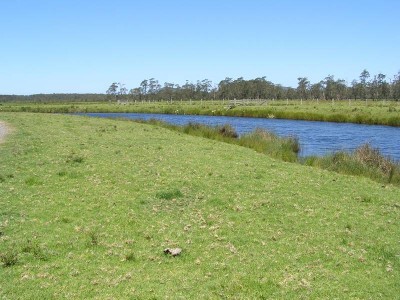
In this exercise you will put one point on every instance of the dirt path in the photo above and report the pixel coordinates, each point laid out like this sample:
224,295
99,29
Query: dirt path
3,131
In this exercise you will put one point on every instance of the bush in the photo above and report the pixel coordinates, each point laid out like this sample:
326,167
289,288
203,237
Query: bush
9,258
227,131
371,157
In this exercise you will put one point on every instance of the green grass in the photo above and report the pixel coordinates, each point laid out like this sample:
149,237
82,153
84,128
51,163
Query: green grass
364,161
260,140
89,205
366,112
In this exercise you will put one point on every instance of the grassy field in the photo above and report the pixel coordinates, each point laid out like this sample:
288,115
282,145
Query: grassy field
89,205
364,112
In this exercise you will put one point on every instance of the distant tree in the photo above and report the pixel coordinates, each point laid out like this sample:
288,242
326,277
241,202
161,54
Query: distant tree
396,86
143,88
364,83
168,90
122,91
356,89
153,88
329,87
113,90
383,86
188,90
317,90
290,93
225,90
340,89
303,87
135,94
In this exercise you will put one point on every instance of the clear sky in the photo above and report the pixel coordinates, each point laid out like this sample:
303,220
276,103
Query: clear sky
79,46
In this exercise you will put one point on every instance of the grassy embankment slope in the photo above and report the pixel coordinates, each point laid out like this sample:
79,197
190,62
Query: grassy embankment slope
370,112
88,205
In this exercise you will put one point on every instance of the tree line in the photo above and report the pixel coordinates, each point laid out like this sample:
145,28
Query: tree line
366,87
59,97
374,87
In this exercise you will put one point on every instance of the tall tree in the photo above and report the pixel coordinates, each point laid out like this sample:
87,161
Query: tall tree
303,87
153,87
143,88
317,90
396,86
356,89
122,90
330,87
383,86
113,90
135,94
364,83
340,89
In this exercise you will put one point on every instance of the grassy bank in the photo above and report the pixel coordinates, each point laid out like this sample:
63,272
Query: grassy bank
365,161
260,140
362,112
89,205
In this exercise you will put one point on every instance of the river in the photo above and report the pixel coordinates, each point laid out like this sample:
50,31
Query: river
316,138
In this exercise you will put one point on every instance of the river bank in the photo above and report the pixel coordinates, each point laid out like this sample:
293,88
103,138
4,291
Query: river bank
358,112
316,138
90,205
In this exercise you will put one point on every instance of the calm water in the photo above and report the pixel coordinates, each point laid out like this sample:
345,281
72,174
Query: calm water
316,138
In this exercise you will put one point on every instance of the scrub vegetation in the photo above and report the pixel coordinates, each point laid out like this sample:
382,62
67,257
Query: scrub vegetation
89,205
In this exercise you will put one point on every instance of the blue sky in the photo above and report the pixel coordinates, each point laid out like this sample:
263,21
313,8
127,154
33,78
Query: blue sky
83,46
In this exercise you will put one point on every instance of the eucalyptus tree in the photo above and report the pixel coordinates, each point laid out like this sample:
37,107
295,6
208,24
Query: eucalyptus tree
113,90
168,90
340,89
188,90
277,91
144,88
291,93
270,91
329,87
202,88
373,88
225,90
303,86
396,86
239,88
356,89
153,88
122,91
383,86
317,91
135,94
364,83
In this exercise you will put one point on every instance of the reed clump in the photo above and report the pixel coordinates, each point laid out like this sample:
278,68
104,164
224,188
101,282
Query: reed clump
261,140
364,161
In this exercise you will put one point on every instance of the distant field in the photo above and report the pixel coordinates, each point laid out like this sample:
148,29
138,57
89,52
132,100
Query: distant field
88,206
364,112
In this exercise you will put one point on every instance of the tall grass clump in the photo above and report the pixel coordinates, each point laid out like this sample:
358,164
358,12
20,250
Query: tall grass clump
364,161
222,132
9,258
263,141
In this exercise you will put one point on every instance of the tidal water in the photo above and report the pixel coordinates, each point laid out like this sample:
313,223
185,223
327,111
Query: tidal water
316,138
